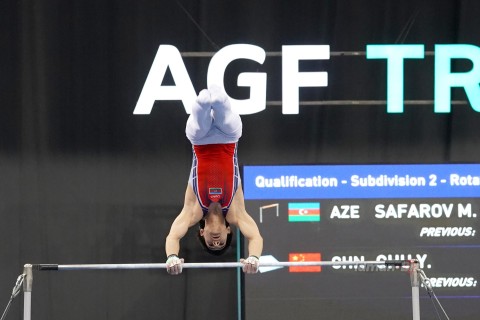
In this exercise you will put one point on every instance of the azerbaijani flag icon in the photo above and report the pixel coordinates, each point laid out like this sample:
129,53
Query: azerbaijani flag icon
303,211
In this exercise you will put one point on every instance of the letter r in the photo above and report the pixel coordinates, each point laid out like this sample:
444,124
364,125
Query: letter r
445,79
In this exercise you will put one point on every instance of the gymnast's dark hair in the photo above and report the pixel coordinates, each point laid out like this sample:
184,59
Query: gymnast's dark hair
201,225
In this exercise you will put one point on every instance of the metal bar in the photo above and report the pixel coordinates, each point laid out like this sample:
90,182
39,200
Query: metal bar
128,266
131,266
363,102
415,282
27,291
209,54
27,305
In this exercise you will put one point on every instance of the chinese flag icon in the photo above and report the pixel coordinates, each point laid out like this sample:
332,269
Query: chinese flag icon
303,257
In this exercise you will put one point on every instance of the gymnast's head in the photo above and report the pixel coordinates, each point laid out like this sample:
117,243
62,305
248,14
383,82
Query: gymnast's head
214,231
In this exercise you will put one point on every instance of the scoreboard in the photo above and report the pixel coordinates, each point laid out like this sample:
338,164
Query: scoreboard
427,212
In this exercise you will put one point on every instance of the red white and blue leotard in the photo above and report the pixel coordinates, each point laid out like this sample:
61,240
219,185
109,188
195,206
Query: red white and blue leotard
214,129
215,174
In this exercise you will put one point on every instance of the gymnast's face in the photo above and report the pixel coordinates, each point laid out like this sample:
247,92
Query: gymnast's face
215,235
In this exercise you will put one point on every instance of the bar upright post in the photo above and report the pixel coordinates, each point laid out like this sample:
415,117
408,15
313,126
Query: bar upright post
27,292
415,280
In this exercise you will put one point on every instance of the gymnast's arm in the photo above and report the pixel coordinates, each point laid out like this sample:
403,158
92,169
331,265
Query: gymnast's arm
246,224
189,216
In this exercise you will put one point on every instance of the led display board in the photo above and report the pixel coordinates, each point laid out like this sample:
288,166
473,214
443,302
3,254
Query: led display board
427,212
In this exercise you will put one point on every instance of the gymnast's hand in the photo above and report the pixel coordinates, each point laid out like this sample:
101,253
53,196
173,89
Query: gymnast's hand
250,265
174,264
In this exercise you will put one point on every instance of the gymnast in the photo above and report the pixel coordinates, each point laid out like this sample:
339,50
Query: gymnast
214,198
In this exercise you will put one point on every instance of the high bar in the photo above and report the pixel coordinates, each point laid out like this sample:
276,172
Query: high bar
209,54
203,265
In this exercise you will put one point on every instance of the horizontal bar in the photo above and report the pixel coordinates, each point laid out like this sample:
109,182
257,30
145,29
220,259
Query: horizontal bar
137,266
208,54
363,102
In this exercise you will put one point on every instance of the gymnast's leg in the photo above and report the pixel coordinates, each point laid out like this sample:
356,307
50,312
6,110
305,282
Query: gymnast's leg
200,120
225,119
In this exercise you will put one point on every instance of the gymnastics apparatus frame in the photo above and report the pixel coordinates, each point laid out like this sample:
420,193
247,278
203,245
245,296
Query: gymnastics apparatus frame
417,275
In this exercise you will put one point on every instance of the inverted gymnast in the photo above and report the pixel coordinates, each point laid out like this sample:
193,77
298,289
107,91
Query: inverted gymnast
214,196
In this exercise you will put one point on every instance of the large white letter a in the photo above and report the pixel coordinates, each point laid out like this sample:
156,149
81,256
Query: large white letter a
167,56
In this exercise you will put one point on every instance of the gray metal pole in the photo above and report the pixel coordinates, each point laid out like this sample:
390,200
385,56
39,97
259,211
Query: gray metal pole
415,280
27,292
